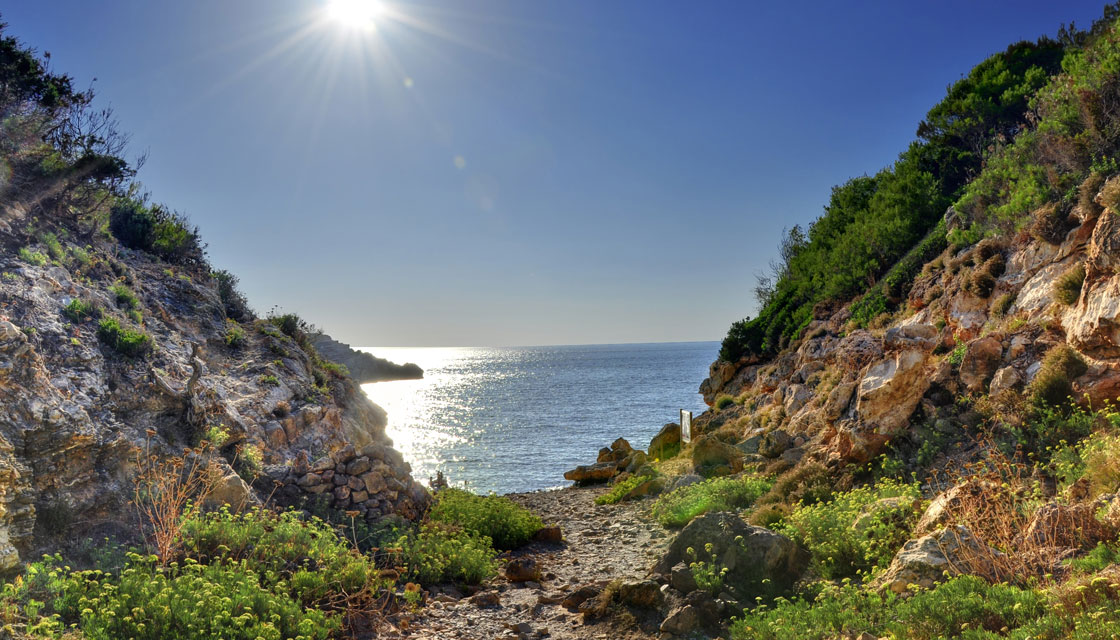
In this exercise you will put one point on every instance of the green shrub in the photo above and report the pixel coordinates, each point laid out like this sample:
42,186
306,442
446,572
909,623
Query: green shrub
1067,288
507,524
620,489
1087,193
1053,384
1050,224
35,258
234,302
54,247
807,483
125,341
155,229
956,356
1098,558
965,607
676,508
1003,304
270,380
78,310
440,553
235,336
723,402
857,531
124,296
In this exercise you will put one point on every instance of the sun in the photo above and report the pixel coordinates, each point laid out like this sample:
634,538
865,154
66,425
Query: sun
359,14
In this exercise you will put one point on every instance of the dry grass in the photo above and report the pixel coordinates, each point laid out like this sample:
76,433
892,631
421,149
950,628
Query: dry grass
165,488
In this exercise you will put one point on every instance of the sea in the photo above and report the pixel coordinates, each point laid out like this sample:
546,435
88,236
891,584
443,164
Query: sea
514,419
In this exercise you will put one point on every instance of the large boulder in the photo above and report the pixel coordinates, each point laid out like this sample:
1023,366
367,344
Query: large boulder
981,359
1093,324
714,457
759,562
592,473
943,554
912,336
667,442
889,391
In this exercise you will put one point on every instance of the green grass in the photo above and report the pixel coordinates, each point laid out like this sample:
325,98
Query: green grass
678,507
619,490
124,296
79,310
507,524
36,258
125,341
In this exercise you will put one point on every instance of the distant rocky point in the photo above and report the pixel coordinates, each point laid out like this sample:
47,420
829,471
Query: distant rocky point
364,367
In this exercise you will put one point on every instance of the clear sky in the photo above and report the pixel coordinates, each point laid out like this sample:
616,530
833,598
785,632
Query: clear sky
515,172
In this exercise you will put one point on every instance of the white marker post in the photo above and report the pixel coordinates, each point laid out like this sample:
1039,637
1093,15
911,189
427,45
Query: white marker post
686,426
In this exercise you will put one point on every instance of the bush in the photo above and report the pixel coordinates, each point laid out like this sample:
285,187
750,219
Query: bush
507,524
678,507
124,341
155,229
806,484
78,310
1110,194
125,296
965,606
1087,193
723,402
1067,288
235,336
439,553
1050,224
1053,384
34,258
857,531
1003,304
234,302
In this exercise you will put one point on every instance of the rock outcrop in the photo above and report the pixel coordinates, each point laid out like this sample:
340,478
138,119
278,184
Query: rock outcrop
76,415
364,367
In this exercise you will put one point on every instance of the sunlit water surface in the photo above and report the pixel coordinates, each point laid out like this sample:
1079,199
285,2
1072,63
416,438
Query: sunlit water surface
515,418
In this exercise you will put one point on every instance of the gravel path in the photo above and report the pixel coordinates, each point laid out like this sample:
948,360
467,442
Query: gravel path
601,544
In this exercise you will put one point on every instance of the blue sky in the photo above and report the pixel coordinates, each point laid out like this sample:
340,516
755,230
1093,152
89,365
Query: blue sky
511,172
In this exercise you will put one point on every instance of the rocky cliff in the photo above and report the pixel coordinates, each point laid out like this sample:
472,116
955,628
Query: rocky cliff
978,321
76,412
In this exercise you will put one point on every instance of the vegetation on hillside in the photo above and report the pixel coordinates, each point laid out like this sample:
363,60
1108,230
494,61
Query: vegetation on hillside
877,231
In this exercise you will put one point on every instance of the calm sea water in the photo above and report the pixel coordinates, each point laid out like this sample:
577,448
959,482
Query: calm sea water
516,418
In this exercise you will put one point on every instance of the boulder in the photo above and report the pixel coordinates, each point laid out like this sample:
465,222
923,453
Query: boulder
912,336
857,349
774,443
838,400
712,456
522,569
681,620
931,559
685,480
667,442
890,390
759,562
589,474
980,362
797,395
645,594
230,489
1005,379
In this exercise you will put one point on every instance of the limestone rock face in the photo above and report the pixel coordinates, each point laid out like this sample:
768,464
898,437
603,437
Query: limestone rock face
759,562
75,415
1005,379
890,391
1093,324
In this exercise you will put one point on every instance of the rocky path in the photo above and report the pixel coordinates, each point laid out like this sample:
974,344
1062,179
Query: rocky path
601,544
